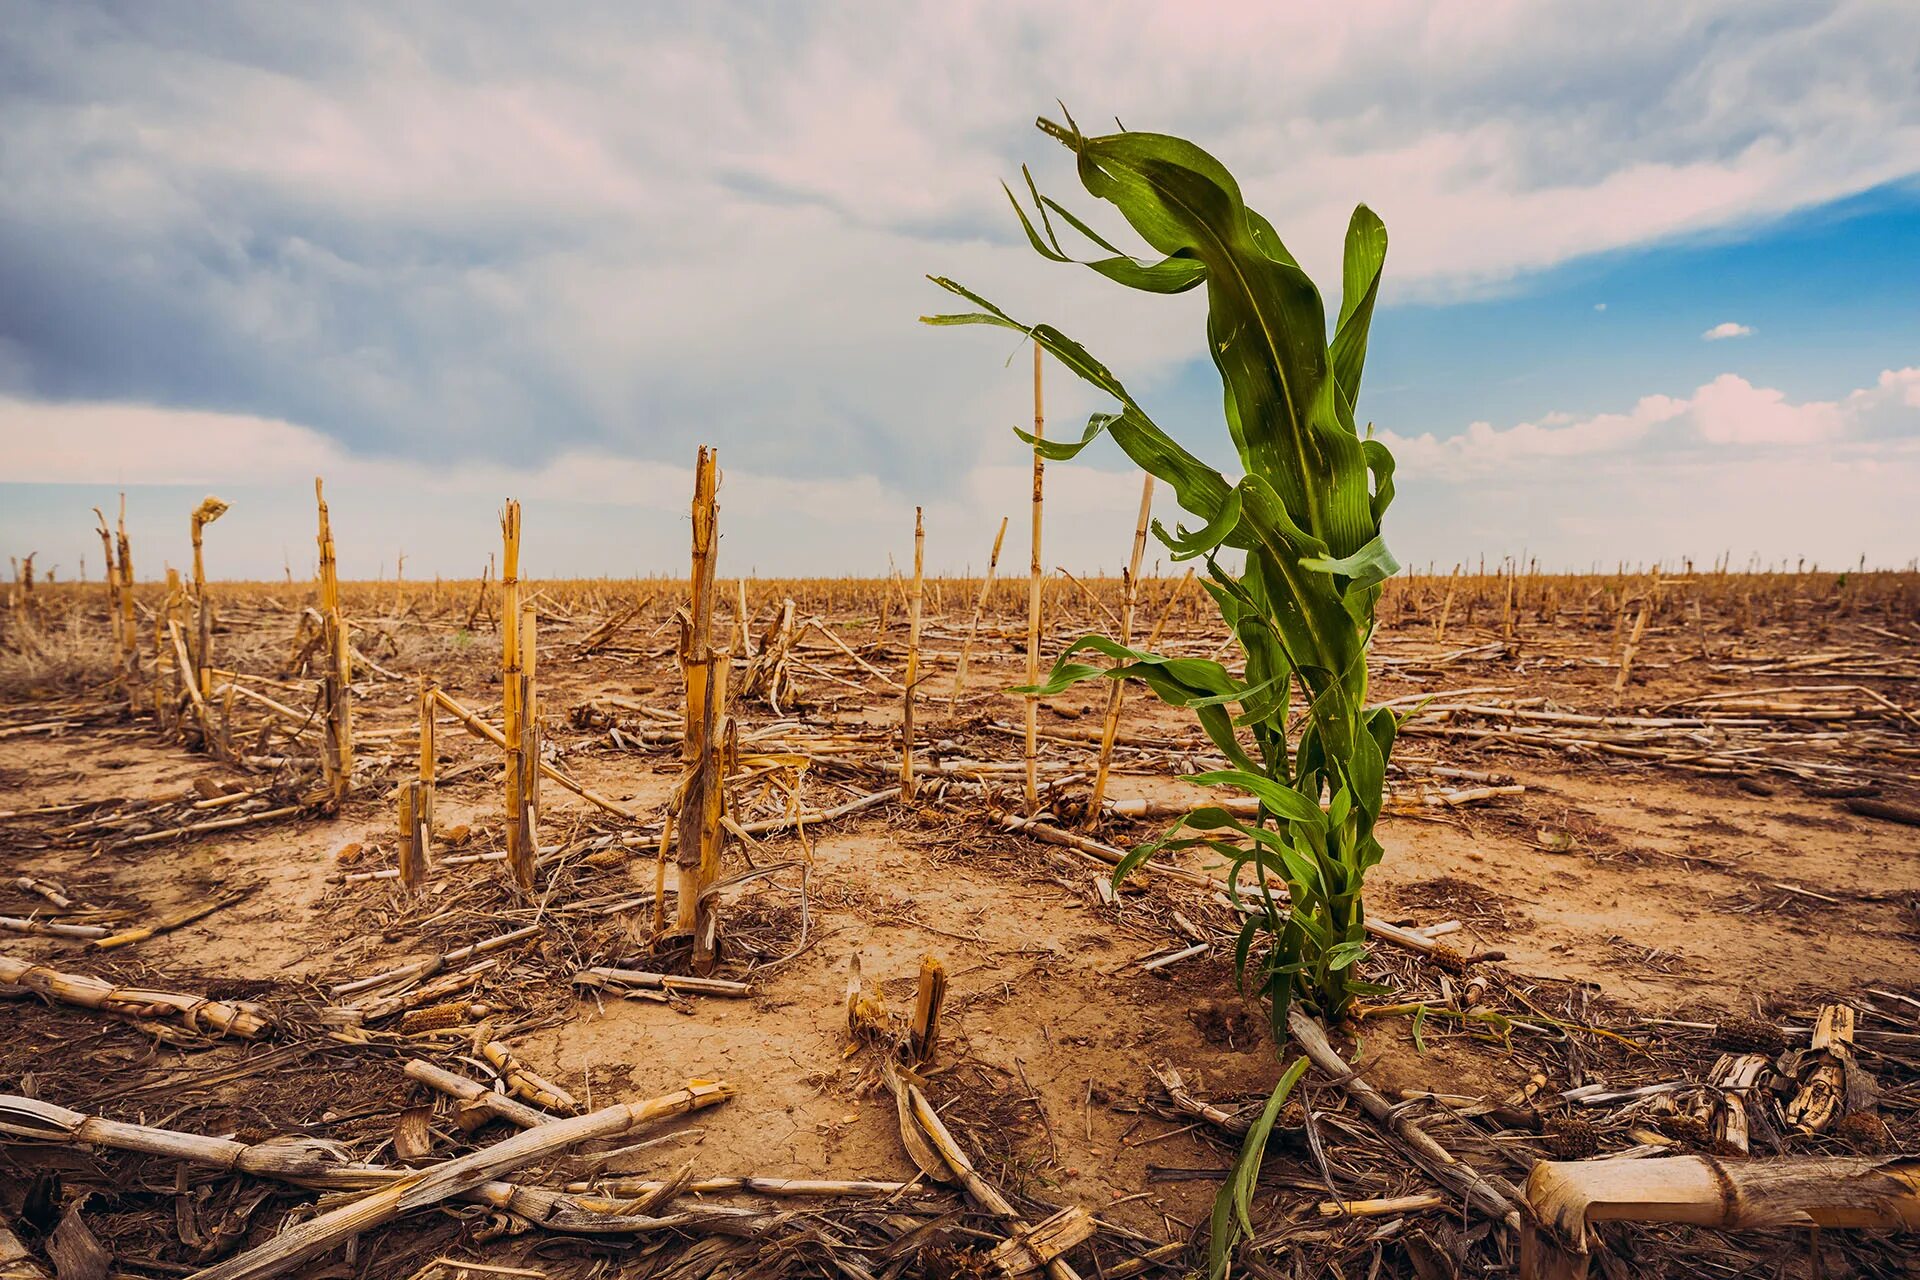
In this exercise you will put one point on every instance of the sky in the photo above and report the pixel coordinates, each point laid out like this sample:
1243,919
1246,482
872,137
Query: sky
1653,289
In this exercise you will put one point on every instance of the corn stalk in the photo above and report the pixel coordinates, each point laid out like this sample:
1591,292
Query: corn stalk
1301,526
336,682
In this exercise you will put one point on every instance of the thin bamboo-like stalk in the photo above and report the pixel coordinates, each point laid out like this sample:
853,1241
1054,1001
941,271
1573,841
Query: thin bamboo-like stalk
644,980
660,858
1633,641
530,734
1110,728
336,692
53,929
1494,1200
416,804
202,712
707,806
209,510
319,1163
633,1188
979,605
168,923
1087,593
915,598
745,619
1389,1206
700,837
233,688
1034,583
520,1078
116,628
434,964
480,596
218,824
522,849
1446,607
482,1099
411,856
45,888
166,676
200,665
429,747
1166,615
129,637
696,639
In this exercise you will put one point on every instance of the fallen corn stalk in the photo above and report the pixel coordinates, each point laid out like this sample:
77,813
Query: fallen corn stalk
1032,1247
177,920
748,1184
434,964
521,1079
1489,1198
479,728
1843,1191
482,1100
638,979
322,1164
317,1235
197,1012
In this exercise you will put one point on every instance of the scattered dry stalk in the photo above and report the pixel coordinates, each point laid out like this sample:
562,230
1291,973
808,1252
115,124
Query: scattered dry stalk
336,697
915,597
1034,584
515,689
923,1032
199,1013
1110,728
973,625
707,746
1446,607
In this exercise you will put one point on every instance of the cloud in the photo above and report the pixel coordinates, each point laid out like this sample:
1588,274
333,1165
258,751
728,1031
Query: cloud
587,510
1728,411
444,231
1731,410
1732,465
1726,329
447,253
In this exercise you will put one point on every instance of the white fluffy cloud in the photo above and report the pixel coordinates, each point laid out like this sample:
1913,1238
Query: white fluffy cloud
1731,467
1726,329
1728,411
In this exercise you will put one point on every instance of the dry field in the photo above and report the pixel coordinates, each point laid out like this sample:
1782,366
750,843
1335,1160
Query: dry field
1643,830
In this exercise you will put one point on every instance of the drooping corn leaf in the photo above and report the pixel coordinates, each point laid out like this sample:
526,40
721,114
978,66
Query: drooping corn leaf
1233,1206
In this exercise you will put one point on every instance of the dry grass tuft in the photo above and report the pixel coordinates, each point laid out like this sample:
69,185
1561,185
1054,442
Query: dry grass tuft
45,659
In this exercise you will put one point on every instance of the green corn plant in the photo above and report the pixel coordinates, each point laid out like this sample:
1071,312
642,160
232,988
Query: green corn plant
1301,525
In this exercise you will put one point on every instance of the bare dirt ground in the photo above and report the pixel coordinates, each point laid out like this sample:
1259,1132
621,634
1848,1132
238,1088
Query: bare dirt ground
1618,889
